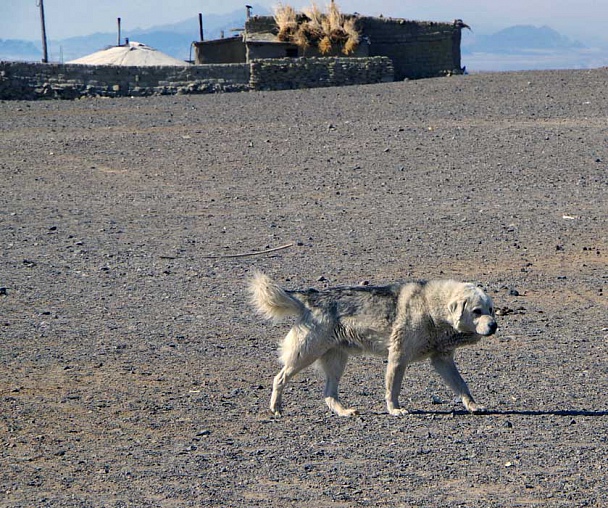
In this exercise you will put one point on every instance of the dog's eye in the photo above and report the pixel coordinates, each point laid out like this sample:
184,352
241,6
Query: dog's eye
477,312
491,310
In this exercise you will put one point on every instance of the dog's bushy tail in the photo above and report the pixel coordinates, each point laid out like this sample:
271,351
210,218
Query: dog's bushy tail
271,300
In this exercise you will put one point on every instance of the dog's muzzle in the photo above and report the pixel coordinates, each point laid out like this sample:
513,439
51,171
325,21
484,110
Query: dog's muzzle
492,328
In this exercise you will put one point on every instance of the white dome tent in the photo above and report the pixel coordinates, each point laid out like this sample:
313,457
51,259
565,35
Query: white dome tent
133,54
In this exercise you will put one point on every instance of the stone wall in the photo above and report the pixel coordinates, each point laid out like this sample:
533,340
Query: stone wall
27,81
289,73
19,80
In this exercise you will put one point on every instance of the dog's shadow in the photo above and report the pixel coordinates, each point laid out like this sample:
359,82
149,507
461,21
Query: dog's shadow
523,412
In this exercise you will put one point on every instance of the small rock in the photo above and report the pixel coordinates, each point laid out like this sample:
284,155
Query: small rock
513,292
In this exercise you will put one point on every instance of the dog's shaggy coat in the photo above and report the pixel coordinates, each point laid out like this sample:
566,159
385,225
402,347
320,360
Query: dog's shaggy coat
405,322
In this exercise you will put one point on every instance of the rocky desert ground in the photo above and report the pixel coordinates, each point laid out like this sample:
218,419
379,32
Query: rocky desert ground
135,374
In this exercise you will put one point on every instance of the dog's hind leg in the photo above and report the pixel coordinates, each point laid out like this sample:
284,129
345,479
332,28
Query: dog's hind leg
299,350
280,380
445,366
333,363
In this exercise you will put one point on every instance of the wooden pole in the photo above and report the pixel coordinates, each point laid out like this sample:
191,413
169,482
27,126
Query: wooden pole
118,43
45,54
200,26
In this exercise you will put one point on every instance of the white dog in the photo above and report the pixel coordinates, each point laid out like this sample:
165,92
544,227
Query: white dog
406,322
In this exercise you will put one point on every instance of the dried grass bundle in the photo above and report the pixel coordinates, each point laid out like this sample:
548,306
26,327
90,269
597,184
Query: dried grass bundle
315,18
301,38
335,17
312,26
285,18
324,45
352,36
317,28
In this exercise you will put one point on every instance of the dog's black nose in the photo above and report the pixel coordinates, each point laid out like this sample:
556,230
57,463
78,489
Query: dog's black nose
493,328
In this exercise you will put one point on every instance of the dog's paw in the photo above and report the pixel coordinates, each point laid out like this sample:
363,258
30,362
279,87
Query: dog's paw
277,413
398,411
349,412
473,407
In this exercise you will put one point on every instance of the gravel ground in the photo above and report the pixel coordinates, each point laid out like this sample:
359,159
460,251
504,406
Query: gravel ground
134,372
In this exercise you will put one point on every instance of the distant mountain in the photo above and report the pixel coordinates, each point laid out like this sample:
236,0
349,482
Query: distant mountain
525,47
520,38
213,24
15,49
173,39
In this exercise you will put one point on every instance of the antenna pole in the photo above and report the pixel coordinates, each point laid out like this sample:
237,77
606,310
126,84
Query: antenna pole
118,43
200,26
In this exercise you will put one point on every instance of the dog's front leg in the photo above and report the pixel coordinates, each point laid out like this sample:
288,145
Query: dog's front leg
395,371
445,366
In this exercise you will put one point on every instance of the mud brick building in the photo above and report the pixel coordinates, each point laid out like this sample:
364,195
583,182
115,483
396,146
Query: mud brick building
417,49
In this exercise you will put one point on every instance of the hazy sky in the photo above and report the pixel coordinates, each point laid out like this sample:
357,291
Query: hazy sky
584,20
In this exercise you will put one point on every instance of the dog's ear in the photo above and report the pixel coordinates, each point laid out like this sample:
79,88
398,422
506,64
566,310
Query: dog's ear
456,309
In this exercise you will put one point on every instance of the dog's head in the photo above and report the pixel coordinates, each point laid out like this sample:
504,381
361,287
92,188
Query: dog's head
472,311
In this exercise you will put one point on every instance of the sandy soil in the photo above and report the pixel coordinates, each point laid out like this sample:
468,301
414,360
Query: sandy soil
135,374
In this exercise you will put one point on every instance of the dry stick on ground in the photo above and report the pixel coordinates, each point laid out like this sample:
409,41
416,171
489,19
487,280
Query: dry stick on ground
250,253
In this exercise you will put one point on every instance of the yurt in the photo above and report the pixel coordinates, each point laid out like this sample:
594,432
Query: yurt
131,54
